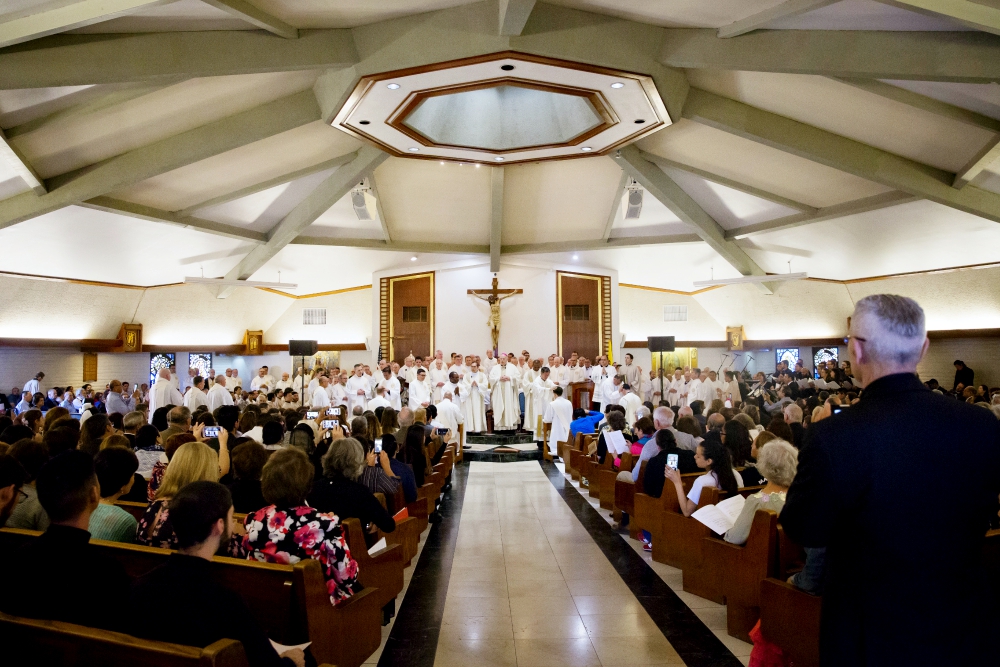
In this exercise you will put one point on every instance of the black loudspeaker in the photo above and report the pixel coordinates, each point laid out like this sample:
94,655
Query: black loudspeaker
304,348
660,343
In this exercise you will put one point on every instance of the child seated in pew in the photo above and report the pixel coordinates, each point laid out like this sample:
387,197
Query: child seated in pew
116,468
187,605
59,576
712,456
777,462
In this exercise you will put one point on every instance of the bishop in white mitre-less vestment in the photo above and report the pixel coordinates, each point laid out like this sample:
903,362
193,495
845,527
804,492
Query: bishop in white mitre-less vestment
475,386
503,396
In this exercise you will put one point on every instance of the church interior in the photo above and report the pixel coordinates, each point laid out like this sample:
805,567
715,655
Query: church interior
189,187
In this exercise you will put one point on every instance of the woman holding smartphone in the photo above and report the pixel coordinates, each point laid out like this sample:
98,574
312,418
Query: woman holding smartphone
713,457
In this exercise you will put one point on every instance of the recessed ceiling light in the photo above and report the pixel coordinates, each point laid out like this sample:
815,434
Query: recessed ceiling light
442,163
413,149
586,149
506,68
477,165
618,84
413,259
363,122
392,86
498,159
576,257
640,121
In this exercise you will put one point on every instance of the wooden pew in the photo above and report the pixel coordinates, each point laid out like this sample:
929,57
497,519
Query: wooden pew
138,509
407,533
608,479
383,571
290,602
648,509
29,641
572,458
679,544
737,571
625,499
546,432
790,618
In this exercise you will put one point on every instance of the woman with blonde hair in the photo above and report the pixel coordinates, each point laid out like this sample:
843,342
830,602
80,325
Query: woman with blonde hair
777,461
192,462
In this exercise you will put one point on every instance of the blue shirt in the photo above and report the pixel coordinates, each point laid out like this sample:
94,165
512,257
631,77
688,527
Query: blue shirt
586,424
406,478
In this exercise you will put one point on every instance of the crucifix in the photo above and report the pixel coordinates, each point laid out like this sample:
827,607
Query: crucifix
493,297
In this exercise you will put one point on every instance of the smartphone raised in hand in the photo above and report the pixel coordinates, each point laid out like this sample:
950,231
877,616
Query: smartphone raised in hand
312,414
211,432
328,423
672,461
378,445
333,412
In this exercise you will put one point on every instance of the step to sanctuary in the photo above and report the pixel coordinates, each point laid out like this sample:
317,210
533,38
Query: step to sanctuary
501,447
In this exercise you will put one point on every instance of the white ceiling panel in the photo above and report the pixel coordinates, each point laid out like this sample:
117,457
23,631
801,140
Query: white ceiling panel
263,210
898,128
73,142
865,15
919,236
757,165
559,200
982,98
348,13
242,167
180,15
95,245
19,105
989,179
429,200
675,13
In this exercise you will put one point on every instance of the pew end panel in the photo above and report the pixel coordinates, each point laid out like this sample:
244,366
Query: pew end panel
790,618
383,571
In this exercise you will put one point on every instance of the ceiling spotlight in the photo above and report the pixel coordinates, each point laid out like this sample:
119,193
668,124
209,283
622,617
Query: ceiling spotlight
413,259
618,84
640,121
392,86
506,68
498,159
442,163
477,165
576,257
586,149
413,149
363,122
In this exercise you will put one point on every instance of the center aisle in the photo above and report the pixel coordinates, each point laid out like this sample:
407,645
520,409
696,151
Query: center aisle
530,587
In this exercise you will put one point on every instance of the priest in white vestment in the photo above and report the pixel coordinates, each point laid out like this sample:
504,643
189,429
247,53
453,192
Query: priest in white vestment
475,388
163,393
337,390
503,396
320,399
419,391
438,377
217,396
195,397
380,401
559,413
611,392
537,395
489,362
263,379
677,393
358,390
731,389
450,415
599,375
390,385
454,387
631,402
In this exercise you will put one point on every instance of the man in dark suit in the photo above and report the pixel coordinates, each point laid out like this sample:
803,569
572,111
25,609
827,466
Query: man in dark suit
899,488
963,375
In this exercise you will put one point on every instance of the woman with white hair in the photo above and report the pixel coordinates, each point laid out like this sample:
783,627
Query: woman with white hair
777,462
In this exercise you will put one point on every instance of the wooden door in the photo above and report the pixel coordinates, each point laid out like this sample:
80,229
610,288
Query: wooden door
580,314
411,315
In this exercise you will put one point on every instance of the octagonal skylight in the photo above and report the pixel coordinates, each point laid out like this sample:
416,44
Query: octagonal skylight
503,118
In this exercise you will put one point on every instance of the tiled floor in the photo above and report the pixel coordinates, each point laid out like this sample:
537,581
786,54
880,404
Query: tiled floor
712,614
530,587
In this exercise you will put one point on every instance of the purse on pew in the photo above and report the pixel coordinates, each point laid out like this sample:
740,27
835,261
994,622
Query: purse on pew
290,602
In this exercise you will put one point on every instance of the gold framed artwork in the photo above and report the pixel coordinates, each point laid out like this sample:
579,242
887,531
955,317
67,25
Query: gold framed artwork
679,358
735,336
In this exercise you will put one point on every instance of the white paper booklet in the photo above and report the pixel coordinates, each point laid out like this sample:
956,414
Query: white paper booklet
721,517
283,648
616,442
378,546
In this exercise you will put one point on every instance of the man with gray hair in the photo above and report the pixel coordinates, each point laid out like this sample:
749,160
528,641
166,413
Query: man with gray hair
874,490
793,417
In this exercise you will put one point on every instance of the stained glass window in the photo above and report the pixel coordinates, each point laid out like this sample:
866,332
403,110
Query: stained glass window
202,361
789,354
158,361
825,354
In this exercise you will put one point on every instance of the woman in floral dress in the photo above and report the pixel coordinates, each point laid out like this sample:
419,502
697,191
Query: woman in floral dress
288,530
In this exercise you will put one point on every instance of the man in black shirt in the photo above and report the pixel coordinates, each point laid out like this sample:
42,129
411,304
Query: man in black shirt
59,576
963,375
186,604
652,481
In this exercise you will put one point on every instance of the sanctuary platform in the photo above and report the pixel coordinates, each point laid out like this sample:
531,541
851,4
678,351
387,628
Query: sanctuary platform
501,447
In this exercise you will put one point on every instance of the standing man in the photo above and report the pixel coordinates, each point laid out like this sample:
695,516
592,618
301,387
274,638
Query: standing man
559,413
358,389
631,402
538,395
419,391
163,393
861,489
217,396
195,397
598,375
503,385
34,385
964,375
475,387
390,385
632,373
263,379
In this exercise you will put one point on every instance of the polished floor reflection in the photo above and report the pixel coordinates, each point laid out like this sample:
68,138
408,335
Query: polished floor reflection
530,587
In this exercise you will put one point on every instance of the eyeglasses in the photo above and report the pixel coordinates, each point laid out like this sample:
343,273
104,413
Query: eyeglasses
22,495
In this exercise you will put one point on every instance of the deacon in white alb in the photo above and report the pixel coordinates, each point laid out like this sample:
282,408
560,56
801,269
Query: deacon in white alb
438,377
163,393
503,396
475,387
263,379
284,383
195,397
489,362
631,402
537,397
321,397
379,401
338,390
559,413
450,415
599,375
217,396
358,389
611,392
390,385
419,391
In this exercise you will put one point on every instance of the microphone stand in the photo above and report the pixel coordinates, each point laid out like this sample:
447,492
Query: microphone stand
724,357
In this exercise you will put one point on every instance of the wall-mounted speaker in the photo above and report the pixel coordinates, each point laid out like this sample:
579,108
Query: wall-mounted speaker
660,343
301,348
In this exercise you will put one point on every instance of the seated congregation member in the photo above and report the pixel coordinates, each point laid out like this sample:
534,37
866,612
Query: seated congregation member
192,462
12,478
652,482
340,493
59,575
273,434
736,438
191,607
287,530
160,467
178,421
616,422
643,431
777,461
138,491
400,469
713,457
412,452
92,433
115,467
248,462
29,513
